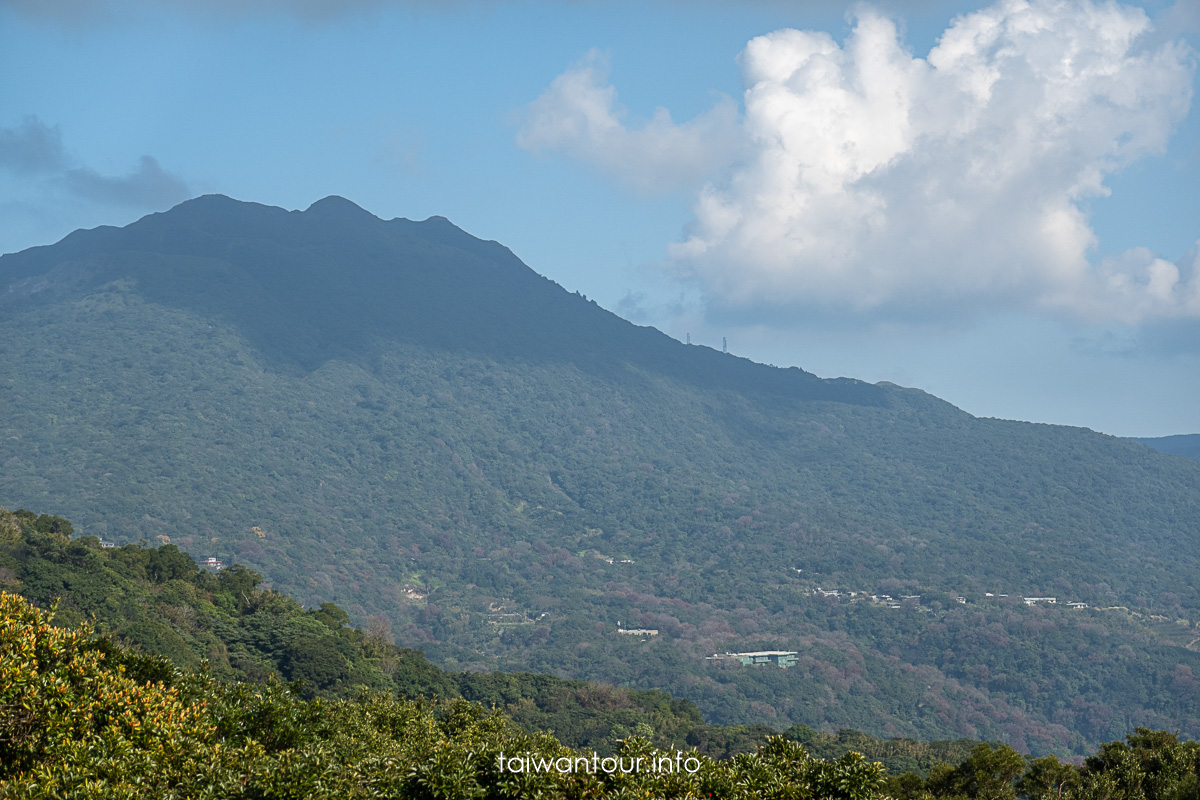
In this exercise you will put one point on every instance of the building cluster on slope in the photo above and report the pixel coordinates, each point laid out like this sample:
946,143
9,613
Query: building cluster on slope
789,658
915,599
1033,601
613,560
884,599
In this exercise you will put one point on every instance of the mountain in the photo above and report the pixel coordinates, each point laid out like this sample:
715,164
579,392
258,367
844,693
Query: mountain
407,421
1187,444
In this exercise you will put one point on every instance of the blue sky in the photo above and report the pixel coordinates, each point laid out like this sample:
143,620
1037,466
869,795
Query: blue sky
996,202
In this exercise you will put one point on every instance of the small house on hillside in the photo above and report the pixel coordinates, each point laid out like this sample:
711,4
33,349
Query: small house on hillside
781,658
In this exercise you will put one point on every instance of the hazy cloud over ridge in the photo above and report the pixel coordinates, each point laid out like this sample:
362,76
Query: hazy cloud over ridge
35,149
31,148
871,180
149,185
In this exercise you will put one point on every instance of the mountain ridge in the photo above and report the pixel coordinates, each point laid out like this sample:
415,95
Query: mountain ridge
1184,444
214,225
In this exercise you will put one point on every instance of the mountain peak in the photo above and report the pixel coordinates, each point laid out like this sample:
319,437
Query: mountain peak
211,202
336,207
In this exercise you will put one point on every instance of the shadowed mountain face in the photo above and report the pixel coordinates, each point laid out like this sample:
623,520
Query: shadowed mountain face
335,282
407,421
1187,444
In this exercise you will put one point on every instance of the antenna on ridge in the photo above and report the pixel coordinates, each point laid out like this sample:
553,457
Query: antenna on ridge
689,337
724,345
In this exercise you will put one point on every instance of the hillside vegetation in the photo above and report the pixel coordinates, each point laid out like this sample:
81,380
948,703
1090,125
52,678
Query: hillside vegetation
85,716
158,602
405,421
77,720
82,718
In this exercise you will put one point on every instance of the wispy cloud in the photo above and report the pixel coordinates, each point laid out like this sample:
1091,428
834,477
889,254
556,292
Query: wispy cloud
34,149
579,115
870,180
1181,18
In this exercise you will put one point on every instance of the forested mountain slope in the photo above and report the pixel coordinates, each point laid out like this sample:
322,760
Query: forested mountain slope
404,420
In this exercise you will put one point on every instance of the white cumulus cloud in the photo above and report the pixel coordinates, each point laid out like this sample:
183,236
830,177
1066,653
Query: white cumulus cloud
870,179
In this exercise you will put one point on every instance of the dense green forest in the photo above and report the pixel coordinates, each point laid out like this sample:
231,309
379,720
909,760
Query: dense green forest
405,421
90,714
